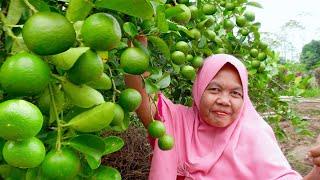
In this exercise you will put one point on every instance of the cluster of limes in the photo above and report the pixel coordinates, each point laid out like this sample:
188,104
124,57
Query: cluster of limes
51,35
157,129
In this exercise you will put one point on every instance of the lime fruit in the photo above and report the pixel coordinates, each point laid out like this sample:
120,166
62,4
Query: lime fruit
188,72
241,21
209,9
106,173
183,17
189,57
194,12
182,46
244,32
118,116
156,129
48,33
254,52
24,74
101,32
211,35
88,67
178,57
134,61
228,24
130,99
250,16
255,63
19,119
195,34
262,56
60,164
197,62
229,6
27,153
166,142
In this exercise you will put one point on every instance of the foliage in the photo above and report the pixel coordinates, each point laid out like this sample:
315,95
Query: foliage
310,54
77,114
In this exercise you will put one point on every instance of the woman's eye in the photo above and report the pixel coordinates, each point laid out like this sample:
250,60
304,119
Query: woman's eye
214,89
236,94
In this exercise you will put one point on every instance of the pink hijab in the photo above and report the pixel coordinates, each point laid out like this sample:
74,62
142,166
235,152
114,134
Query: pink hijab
245,150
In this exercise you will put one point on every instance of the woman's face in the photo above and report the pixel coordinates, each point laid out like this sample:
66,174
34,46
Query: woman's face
222,100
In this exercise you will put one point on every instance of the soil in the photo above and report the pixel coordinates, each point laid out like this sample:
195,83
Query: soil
296,146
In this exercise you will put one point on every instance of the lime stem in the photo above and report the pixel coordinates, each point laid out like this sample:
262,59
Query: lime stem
60,78
58,142
6,26
113,85
30,6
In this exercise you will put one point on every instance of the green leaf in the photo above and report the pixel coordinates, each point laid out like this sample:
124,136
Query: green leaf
83,96
94,162
156,73
164,81
151,87
138,8
160,45
113,144
16,8
173,11
203,42
91,145
160,1
254,4
130,29
66,60
138,44
40,5
161,19
78,10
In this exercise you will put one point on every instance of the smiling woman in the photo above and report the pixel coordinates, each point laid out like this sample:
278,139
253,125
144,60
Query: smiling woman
221,134
222,100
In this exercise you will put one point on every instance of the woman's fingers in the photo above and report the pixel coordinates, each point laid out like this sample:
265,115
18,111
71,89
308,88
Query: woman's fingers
315,152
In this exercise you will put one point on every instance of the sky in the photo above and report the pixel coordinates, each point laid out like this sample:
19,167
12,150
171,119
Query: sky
276,13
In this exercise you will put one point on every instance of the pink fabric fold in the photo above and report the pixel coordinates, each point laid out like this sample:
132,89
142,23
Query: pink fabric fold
247,149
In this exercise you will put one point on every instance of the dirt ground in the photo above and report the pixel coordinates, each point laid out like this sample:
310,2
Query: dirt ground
296,146
133,160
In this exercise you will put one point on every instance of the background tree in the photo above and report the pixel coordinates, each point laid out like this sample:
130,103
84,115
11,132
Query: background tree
310,54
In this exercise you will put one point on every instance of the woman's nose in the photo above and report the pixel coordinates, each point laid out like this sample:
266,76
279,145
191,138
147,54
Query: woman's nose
223,99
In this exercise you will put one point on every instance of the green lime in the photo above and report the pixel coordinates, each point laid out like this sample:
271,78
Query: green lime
48,33
209,9
24,74
27,153
101,31
188,72
194,12
134,61
262,56
106,173
254,52
156,129
197,62
244,32
189,57
166,142
118,116
195,34
228,24
178,57
60,164
130,99
19,119
185,16
88,67
211,35
255,63
229,6
241,21
182,46
250,16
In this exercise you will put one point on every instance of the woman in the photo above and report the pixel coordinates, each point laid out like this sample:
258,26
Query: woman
221,136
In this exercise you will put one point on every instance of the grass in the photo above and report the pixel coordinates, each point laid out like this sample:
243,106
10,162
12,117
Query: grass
314,92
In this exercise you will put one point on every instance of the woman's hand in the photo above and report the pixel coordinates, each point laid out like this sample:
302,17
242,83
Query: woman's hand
314,156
